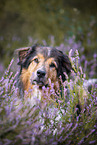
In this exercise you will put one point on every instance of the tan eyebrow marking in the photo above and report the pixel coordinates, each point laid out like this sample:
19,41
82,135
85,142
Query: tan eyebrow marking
39,56
36,57
51,60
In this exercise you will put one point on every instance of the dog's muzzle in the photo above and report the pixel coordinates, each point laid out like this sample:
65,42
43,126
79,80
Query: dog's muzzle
40,80
41,73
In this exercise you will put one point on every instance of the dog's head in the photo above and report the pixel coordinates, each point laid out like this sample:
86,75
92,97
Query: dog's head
39,63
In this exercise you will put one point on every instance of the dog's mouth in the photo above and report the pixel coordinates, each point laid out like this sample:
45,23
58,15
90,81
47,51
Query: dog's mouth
39,82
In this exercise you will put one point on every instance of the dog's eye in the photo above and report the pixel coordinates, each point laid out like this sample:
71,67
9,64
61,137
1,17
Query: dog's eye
36,60
52,65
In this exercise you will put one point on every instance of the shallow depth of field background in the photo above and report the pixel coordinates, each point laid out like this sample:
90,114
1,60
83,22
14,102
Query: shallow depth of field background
70,26
23,23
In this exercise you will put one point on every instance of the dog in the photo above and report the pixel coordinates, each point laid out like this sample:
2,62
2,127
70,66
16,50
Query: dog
41,66
44,67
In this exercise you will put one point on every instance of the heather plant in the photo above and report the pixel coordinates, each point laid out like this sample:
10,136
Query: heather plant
69,117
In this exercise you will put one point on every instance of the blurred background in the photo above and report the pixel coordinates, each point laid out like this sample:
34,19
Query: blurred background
23,23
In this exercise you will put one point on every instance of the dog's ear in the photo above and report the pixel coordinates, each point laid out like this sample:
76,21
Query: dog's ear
23,53
65,65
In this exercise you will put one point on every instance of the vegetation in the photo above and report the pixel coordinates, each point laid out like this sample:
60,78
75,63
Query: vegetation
71,27
56,123
22,22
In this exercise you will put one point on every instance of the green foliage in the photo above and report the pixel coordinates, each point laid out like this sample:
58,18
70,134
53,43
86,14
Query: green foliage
38,19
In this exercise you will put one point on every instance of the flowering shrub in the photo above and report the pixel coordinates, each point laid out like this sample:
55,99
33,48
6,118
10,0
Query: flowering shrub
59,122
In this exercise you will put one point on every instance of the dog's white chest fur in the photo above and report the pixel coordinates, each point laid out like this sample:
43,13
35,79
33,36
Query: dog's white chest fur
35,96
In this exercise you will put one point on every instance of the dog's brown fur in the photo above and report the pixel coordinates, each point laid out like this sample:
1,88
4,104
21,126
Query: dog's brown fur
39,64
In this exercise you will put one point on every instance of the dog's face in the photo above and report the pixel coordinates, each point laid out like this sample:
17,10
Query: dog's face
39,64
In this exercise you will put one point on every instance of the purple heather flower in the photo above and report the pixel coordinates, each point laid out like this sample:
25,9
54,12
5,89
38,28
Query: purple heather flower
44,42
88,41
10,64
85,65
90,133
91,74
52,40
95,55
92,142
70,40
70,53
83,58
30,39
81,141
1,68
10,75
81,69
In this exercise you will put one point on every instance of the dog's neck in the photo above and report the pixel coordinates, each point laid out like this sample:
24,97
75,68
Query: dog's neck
34,95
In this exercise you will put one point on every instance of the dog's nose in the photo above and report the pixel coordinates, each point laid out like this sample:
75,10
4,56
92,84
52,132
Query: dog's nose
41,73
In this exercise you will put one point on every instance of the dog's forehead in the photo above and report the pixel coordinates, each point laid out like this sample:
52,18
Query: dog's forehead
45,51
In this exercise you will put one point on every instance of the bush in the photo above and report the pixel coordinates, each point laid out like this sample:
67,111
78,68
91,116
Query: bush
53,123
